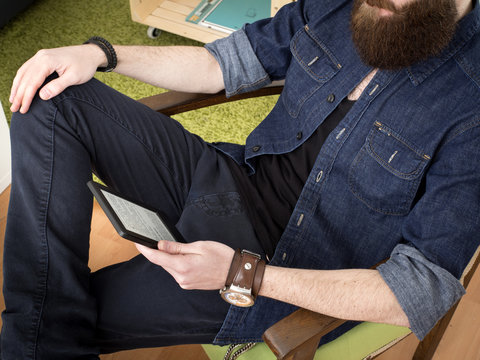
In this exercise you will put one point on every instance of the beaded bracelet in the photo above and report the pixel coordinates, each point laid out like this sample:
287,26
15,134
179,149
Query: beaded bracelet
109,51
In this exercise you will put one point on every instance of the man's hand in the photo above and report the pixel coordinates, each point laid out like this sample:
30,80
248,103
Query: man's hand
354,294
74,65
202,265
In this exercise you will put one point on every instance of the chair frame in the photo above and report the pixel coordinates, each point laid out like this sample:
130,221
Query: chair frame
297,336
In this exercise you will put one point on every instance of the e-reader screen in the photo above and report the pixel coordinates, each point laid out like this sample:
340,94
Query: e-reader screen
132,220
138,219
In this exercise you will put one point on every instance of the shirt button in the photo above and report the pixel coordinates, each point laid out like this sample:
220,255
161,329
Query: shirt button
299,135
331,98
319,176
284,256
256,148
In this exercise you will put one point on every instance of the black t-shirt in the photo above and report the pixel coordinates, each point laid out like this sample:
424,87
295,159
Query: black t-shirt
270,195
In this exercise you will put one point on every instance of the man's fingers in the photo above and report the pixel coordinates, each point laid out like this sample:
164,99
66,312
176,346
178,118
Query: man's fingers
24,89
18,80
198,265
175,248
15,83
74,65
168,261
27,99
16,93
146,251
54,87
15,105
19,99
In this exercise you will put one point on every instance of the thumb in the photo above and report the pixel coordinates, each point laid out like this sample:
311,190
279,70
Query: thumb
172,247
53,88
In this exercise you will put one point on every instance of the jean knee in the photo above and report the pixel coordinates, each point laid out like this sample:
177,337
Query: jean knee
30,126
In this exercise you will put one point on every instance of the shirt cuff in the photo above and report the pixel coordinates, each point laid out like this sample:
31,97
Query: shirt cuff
424,290
242,71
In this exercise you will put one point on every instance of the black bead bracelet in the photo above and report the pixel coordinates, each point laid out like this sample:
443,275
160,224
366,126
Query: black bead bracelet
109,51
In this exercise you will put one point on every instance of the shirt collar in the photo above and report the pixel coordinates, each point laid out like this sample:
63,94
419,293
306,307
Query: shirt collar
468,26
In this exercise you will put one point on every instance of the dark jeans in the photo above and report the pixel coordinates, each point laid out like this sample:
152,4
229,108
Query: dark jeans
57,309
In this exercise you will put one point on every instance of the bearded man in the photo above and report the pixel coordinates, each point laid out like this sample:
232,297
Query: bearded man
371,152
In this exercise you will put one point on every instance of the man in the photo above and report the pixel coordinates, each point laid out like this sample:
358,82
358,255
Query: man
371,152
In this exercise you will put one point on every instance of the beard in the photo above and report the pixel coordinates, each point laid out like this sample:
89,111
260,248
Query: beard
411,33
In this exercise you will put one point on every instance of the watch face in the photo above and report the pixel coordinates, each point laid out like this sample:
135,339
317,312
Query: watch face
237,299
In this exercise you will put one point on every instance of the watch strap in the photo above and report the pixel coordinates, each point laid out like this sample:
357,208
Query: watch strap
236,262
245,275
246,271
257,281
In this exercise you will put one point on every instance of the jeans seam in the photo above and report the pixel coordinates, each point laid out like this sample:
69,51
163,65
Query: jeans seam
43,288
200,330
129,130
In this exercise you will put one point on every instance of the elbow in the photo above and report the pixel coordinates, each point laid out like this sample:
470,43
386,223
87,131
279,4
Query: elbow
403,320
399,317
213,89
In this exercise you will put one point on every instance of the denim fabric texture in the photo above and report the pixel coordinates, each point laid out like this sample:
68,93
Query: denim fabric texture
55,307
399,177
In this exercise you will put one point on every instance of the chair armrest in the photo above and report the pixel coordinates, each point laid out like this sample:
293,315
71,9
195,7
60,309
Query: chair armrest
297,336
175,102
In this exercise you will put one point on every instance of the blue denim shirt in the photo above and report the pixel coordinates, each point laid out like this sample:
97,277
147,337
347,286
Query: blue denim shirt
399,177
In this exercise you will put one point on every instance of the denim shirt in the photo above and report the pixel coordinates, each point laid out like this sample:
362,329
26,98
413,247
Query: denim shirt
399,177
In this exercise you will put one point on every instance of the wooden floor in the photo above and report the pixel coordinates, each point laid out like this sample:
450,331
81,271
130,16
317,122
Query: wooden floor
461,341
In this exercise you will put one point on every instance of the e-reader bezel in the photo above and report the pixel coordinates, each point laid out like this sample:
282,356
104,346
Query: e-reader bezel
97,189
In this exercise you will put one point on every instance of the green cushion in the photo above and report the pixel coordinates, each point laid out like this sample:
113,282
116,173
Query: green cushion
361,341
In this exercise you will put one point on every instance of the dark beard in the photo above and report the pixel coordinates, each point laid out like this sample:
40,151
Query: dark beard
411,34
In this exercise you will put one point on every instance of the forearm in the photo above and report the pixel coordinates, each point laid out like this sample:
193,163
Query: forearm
347,294
182,68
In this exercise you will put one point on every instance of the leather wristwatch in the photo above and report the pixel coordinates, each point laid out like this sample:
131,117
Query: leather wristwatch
244,279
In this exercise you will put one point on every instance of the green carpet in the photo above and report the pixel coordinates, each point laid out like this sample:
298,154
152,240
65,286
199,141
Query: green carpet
54,23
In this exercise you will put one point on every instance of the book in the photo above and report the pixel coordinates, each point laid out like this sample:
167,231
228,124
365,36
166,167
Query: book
229,15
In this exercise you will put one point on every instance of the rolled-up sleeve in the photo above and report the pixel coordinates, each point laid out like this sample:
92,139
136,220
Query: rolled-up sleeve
260,52
440,233
424,290
242,71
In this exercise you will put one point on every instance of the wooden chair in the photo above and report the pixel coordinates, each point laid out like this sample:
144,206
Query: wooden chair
297,336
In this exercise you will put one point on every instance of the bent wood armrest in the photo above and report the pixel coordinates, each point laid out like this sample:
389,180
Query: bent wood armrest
296,337
176,102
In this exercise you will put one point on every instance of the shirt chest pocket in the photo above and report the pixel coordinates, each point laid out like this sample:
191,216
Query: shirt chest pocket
311,67
386,173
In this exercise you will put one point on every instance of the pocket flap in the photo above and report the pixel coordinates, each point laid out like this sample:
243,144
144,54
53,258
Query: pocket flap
395,153
313,55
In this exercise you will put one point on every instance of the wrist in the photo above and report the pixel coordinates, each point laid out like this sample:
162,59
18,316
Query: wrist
97,55
269,277
108,61
244,279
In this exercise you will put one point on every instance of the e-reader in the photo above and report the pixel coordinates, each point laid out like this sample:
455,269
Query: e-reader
132,220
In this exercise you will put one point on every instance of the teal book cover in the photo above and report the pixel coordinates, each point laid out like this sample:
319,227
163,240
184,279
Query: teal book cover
229,15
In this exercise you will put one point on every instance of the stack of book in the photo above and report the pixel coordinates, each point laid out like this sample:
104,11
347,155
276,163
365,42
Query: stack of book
229,15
